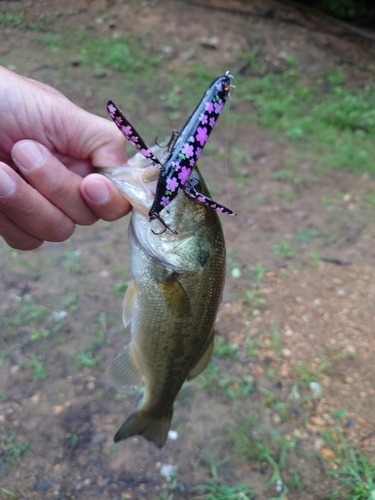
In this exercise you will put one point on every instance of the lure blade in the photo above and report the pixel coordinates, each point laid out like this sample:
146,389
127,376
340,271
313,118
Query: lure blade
209,202
129,131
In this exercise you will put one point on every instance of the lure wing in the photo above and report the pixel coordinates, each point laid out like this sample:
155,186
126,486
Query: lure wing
132,135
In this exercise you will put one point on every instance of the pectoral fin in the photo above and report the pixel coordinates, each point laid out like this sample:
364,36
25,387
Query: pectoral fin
129,303
175,296
203,361
124,369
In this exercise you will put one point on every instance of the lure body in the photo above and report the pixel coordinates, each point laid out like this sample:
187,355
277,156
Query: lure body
187,148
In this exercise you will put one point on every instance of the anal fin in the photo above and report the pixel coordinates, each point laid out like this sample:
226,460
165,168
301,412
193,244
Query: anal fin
124,370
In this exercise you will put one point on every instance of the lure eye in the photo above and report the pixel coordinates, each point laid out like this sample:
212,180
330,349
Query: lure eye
227,87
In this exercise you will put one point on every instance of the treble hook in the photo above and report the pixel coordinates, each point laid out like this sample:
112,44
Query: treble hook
157,216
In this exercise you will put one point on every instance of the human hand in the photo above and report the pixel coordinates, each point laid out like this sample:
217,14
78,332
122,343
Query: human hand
48,150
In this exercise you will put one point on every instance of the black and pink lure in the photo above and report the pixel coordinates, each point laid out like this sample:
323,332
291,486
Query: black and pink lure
186,150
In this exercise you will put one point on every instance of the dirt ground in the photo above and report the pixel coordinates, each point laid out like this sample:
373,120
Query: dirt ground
60,305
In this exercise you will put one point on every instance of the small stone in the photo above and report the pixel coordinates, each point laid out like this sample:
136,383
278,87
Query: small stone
347,197
318,444
187,54
301,214
289,333
286,352
350,350
327,453
80,485
102,73
35,398
166,470
172,435
315,388
258,370
284,370
104,274
166,49
236,273
75,61
210,42
283,55
341,292
43,485
299,434
317,421
58,409
276,419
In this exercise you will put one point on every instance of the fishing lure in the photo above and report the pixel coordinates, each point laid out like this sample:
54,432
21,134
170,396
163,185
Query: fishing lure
184,153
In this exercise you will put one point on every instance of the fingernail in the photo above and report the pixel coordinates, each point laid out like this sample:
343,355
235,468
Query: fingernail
97,191
27,155
7,184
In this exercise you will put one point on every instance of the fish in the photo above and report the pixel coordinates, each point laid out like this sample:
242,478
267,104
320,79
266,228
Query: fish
172,300
178,275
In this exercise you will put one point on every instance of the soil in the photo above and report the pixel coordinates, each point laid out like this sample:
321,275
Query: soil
314,326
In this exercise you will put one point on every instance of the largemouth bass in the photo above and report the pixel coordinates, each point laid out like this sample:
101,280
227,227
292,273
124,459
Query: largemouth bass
177,255
172,300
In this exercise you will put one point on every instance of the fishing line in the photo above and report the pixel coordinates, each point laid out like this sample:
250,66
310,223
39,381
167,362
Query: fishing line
226,152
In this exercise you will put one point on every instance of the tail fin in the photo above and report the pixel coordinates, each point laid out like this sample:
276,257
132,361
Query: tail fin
142,423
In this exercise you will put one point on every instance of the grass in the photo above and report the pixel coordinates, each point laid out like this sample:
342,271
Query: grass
308,375
335,128
355,470
216,489
11,449
255,294
120,288
306,234
228,386
224,349
13,20
121,54
85,357
267,451
9,493
284,250
37,367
